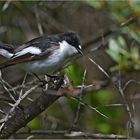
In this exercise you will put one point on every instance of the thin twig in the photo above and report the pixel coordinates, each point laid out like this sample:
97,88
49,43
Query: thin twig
129,82
5,85
77,115
20,86
127,106
119,88
2,112
74,134
99,67
91,107
39,25
21,91
6,5
110,105
16,104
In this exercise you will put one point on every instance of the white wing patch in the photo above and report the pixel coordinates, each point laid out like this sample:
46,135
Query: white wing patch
32,50
5,53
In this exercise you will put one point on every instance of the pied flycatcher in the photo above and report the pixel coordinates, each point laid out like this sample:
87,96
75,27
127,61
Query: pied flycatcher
43,55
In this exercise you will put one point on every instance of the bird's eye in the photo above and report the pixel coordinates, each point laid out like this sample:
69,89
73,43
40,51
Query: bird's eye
80,47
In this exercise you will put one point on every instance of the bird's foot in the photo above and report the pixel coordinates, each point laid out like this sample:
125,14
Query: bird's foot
42,83
56,81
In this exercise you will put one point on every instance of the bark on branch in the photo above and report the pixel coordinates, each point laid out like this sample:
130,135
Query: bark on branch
73,134
21,117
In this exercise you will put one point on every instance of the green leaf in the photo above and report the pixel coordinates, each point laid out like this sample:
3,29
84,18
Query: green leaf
104,127
94,3
122,42
35,123
134,34
134,53
75,73
113,50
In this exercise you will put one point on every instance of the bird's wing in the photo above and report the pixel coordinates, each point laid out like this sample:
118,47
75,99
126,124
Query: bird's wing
32,52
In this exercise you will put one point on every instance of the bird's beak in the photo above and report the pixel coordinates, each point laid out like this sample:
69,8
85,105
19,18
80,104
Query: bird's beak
80,50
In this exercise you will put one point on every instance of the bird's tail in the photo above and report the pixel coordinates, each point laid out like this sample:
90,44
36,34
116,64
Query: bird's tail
6,52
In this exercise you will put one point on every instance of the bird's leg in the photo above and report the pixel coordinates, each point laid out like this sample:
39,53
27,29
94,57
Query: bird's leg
54,81
43,82
37,76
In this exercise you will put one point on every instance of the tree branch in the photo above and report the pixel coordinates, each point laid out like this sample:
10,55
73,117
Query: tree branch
74,134
21,117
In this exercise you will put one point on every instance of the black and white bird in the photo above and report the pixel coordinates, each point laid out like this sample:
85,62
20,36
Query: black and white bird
43,55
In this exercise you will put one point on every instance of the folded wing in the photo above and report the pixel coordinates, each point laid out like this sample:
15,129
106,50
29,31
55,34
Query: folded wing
30,53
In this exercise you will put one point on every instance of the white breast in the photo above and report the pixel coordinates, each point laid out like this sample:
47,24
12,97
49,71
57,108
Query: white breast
67,48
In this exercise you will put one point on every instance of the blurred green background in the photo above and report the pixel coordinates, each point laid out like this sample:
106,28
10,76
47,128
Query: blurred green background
21,21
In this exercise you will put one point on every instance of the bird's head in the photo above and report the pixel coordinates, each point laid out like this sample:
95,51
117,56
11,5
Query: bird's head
74,40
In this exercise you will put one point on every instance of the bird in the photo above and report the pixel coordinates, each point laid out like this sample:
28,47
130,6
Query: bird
46,54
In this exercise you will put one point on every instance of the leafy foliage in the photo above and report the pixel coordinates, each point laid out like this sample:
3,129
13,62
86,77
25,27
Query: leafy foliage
126,59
